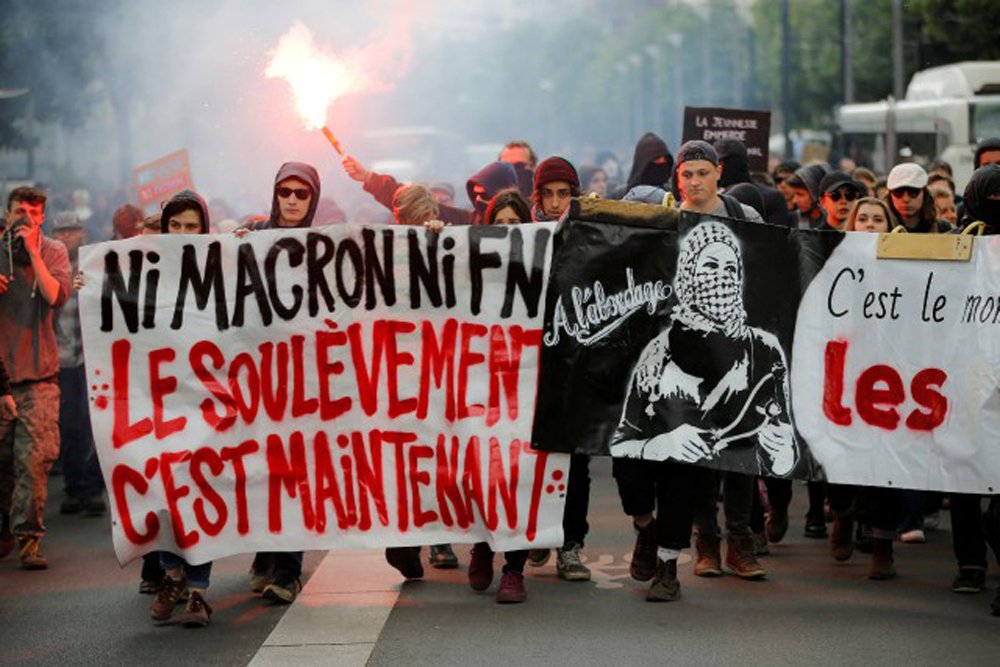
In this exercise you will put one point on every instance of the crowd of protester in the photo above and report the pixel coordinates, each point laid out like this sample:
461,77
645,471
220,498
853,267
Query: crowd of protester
44,406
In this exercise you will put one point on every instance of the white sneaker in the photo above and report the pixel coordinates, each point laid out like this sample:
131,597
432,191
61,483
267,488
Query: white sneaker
915,536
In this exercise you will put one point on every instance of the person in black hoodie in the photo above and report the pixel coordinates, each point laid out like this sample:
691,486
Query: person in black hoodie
652,164
733,158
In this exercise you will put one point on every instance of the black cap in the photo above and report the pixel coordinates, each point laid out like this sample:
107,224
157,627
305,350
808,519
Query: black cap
697,150
838,179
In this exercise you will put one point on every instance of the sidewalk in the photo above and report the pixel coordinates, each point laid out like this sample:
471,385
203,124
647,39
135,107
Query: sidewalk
339,615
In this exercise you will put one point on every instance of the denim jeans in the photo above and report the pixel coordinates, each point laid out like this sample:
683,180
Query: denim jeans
197,576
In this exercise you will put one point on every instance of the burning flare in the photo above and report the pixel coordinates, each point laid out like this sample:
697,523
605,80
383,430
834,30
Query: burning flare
317,77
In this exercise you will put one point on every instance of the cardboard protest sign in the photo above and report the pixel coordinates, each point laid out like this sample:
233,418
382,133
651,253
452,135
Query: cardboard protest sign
753,128
708,341
312,389
161,179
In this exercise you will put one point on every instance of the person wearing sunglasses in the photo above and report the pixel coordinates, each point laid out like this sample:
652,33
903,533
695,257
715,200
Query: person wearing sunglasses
838,192
910,201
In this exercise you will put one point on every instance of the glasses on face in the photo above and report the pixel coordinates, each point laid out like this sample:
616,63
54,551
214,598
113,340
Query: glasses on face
849,195
912,193
300,193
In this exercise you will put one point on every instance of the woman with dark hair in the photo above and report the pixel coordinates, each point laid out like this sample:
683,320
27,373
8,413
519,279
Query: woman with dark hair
910,201
593,180
508,207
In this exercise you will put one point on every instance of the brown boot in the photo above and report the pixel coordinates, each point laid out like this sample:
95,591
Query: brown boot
842,539
31,557
881,567
167,598
197,613
741,560
709,562
665,587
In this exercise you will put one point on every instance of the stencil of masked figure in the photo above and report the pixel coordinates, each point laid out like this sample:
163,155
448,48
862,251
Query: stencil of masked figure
709,388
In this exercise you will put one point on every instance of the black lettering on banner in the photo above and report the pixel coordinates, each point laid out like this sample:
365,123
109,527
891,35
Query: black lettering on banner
448,267
296,252
319,253
517,276
249,281
376,271
114,284
349,248
152,283
479,261
423,273
203,285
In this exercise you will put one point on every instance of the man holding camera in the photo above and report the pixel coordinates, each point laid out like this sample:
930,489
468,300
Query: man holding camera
34,284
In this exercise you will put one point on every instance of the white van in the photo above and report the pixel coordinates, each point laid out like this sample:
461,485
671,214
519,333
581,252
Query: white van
946,112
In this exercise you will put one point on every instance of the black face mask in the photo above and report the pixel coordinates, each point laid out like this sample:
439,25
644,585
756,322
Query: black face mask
13,245
655,174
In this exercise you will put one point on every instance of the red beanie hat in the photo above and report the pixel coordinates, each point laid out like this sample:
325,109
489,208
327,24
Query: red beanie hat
555,169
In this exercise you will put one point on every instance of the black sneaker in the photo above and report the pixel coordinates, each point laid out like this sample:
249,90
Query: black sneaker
815,529
406,560
72,505
969,580
643,565
443,557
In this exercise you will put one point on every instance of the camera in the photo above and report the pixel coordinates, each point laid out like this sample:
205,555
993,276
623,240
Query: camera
13,244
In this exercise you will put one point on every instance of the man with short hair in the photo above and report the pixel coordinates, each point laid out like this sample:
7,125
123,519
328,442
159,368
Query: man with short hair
697,179
838,192
34,284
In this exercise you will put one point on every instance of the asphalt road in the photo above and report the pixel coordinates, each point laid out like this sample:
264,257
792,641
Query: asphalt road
86,609
810,610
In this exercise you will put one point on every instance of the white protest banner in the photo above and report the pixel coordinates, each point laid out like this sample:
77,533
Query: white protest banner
338,387
896,371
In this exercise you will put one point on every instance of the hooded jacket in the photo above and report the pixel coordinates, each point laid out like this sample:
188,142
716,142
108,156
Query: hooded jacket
494,177
305,173
992,144
735,170
183,201
985,182
644,172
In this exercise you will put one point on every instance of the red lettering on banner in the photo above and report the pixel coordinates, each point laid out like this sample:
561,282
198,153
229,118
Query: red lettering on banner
879,391
301,406
209,349
923,393
329,408
467,359
235,455
394,360
833,384
208,457
472,482
246,405
122,476
869,398
328,488
124,432
291,474
537,484
420,478
499,484
446,484
159,387
367,378
437,362
173,495
505,367
369,472
274,391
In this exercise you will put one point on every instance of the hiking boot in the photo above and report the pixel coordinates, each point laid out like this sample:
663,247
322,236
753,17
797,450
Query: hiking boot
643,565
539,557
406,560
776,524
881,567
165,602
72,505
740,558
842,539
665,587
760,547
481,567
969,580
149,587
569,566
197,612
863,538
31,557
442,557
709,557
283,592
511,589
258,581
94,506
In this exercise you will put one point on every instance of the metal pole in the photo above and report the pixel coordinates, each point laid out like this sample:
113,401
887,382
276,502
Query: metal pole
786,75
897,49
846,54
